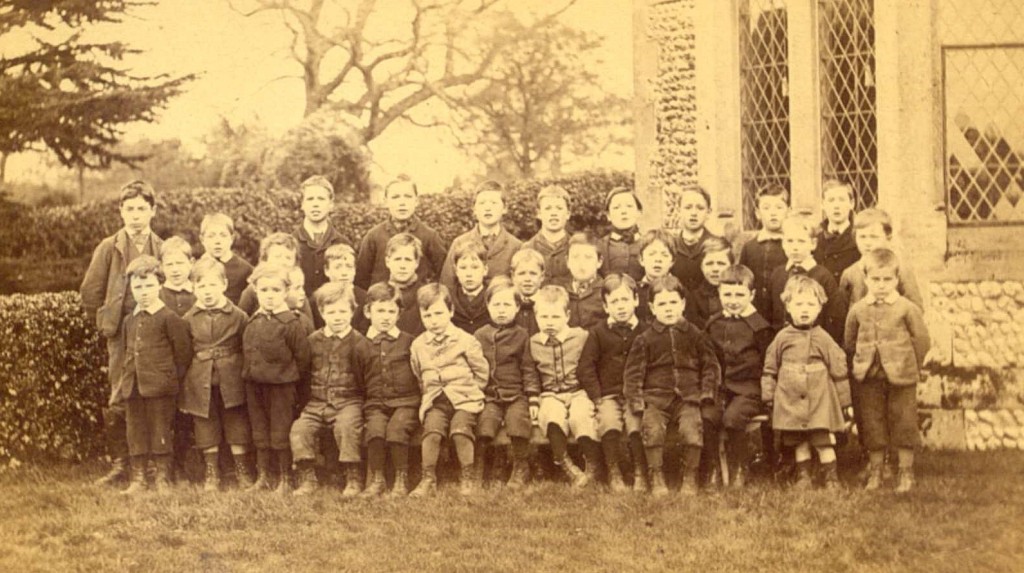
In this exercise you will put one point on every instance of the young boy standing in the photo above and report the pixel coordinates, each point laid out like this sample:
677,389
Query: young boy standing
107,299
798,243
527,275
499,244
872,230
402,257
620,248
694,206
316,233
764,253
836,249
703,302
281,249
670,377
888,339
469,301
401,197
340,267
585,306
453,373
217,233
552,240
602,363
656,258
176,263
157,352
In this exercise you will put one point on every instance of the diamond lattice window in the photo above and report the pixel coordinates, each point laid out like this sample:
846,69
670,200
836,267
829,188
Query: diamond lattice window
848,114
764,99
984,139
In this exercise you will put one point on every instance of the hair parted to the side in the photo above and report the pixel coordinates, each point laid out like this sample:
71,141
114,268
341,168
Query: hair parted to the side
552,294
881,259
657,236
175,244
830,184
402,179
271,271
798,284
584,239
316,181
404,240
137,188
207,266
472,248
212,220
279,239
338,252
499,284
527,257
614,282
622,191
667,283
700,191
489,186
773,190
382,292
716,245
738,275
330,293
430,293
144,266
553,192
797,222
873,216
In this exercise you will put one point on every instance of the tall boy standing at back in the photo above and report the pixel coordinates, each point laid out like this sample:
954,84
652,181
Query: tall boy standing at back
763,254
316,233
499,244
620,248
695,206
401,197
217,233
798,234
106,299
552,240
836,250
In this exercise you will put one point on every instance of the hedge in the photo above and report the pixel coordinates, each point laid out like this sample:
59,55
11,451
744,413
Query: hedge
74,231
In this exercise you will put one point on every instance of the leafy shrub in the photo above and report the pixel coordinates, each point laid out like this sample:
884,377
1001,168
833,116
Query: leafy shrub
53,379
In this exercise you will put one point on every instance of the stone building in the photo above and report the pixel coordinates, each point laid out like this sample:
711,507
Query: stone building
918,103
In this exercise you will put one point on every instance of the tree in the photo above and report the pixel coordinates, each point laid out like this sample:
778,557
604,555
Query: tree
377,61
67,93
540,101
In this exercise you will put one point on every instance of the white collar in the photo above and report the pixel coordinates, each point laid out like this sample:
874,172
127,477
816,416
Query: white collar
632,322
473,294
329,333
808,264
183,287
837,230
891,299
748,311
766,235
372,332
152,309
312,230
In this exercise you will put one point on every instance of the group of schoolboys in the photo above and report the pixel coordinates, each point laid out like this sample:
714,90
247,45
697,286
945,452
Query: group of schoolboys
621,344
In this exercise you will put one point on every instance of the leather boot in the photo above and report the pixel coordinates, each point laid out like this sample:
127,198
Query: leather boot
469,479
401,485
374,484
804,480
307,478
427,485
905,480
658,487
738,479
211,482
284,472
615,482
163,473
688,485
137,476
353,481
117,474
830,476
874,476
242,471
575,474
262,471
639,481
520,474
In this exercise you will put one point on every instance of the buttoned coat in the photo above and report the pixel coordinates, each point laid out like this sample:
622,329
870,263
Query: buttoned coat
158,350
895,331
105,286
498,258
452,363
217,358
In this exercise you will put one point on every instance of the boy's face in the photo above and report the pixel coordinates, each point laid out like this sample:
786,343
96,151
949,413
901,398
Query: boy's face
583,262
621,303
656,260
383,314
734,297
401,201
803,308
694,210
552,318
217,241
341,270
470,271
527,278
881,281
667,307
296,291
771,211
503,307
316,204
553,214
337,315
271,292
176,267
281,255
402,263
623,212
146,290
137,214
488,208
796,243
210,289
837,205
871,238
713,265
436,317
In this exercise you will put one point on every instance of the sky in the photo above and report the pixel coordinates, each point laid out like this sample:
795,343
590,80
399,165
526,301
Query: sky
246,72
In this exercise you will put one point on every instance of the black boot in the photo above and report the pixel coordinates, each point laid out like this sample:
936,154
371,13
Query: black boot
162,464
284,471
353,481
307,477
212,480
804,481
117,474
262,471
401,485
242,472
137,476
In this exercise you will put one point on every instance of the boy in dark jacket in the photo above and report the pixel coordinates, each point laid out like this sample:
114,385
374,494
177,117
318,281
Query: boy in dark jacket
763,253
469,303
316,234
584,285
620,248
527,277
217,233
836,249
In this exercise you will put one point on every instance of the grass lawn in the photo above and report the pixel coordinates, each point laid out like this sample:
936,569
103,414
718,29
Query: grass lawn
967,514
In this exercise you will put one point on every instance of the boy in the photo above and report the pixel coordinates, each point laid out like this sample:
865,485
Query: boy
694,208
217,233
887,338
400,197
276,360
316,233
872,230
585,306
499,244
156,354
552,240
214,393
176,263
656,258
106,300
740,337
565,407
513,388
798,242
836,249
453,372
340,267
344,364
469,302
402,257
527,274
670,377
602,363
620,248
764,253
393,397
703,302
280,249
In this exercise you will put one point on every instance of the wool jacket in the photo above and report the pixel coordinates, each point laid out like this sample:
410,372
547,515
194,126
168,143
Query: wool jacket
217,358
829,318
513,370
586,307
805,375
370,266
237,270
853,285
892,329
276,349
836,251
452,363
397,385
311,255
343,367
250,303
469,314
740,343
158,350
498,259
106,297
762,255
620,253
179,301
409,319
643,308
668,362
686,265
603,359
702,303
556,266
558,358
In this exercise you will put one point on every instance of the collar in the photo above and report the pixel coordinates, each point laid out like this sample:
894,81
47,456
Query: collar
407,226
475,293
311,232
561,337
224,306
748,311
631,323
183,287
837,230
152,309
373,333
891,299
329,333
581,288
439,339
141,237
765,235
659,327
497,231
273,312
704,234
542,239
226,258
629,235
403,286
808,264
